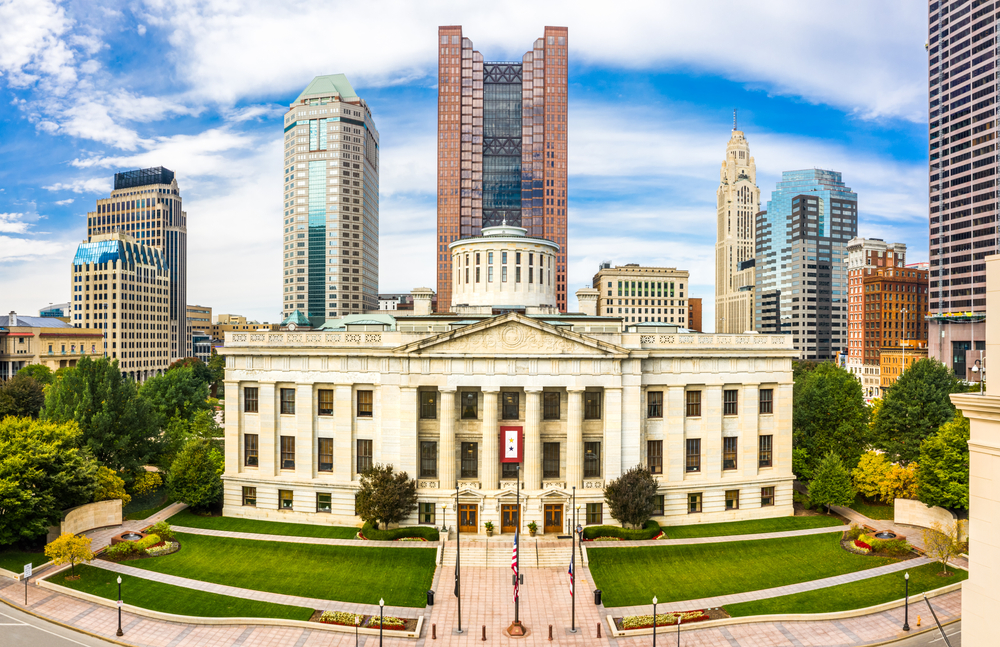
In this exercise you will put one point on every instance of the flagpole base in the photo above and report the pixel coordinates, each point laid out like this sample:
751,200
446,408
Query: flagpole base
517,629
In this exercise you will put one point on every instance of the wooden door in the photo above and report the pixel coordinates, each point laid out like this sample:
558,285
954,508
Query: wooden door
468,517
509,518
553,518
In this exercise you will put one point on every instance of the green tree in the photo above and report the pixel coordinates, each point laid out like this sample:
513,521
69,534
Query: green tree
831,484
195,476
829,415
802,366
21,396
178,393
943,478
630,497
42,373
119,427
914,408
870,473
110,486
42,473
217,368
200,369
385,496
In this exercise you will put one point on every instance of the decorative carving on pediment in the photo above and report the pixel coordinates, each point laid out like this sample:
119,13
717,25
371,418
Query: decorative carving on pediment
513,337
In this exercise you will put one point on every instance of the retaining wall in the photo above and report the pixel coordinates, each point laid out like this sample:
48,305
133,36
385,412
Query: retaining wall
916,513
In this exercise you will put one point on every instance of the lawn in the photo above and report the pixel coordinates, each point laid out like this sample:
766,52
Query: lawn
632,576
175,599
345,573
187,518
873,510
143,507
779,524
856,595
14,560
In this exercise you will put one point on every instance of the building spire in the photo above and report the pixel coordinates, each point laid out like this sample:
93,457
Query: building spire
734,118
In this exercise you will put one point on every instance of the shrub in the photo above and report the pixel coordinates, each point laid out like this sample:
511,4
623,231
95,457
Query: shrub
389,622
147,542
163,529
165,548
662,619
385,496
121,550
375,534
146,483
855,532
650,530
891,547
630,497
340,618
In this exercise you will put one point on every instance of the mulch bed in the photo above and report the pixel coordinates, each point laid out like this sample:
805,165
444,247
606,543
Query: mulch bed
709,614
411,623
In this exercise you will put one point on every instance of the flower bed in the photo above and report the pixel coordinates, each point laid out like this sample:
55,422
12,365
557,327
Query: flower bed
345,619
857,540
131,550
370,532
649,531
604,539
388,622
663,619
340,618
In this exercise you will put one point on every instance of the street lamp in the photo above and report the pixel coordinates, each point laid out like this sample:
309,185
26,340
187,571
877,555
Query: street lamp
979,368
444,519
381,608
357,621
906,611
654,621
119,632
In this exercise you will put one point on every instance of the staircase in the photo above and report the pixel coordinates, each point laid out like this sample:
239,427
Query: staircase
496,553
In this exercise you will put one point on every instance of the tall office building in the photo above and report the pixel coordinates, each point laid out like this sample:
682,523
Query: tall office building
962,62
502,133
330,219
640,294
738,204
146,204
801,249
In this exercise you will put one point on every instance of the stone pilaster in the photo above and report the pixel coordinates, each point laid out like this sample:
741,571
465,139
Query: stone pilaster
343,432
631,413
234,457
267,450
711,444
749,407
574,439
533,439
407,447
446,440
674,441
490,471
612,434
305,443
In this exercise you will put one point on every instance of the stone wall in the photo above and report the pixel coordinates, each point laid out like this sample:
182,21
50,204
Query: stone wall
93,515
916,513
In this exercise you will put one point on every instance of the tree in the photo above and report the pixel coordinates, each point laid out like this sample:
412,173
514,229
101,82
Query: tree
69,549
802,366
146,483
831,485
21,396
178,393
195,476
914,409
110,486
217,368
42,473
42,373
119,427
944,541
900,483
385,497
944,466
873,409
630,497
868,476
200,369
829,415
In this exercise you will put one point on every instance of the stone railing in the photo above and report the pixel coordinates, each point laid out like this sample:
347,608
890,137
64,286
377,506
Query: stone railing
284,339
700,340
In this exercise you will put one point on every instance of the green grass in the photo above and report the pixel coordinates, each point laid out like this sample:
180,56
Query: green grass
872,511
856,595
14,560
753,526
344,573
191,520
167,598
632,576
141,515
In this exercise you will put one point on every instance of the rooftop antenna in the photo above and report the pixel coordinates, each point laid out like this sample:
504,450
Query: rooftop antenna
734,118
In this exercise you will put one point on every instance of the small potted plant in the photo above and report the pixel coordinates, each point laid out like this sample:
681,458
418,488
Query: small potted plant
532,528
489,528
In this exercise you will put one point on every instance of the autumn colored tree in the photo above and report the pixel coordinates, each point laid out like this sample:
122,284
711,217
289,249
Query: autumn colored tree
110,486
69,549
869,474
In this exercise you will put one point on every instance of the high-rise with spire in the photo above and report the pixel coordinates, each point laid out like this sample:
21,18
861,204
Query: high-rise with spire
738,203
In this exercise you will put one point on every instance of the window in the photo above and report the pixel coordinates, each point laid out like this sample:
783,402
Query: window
595,514
654,404
428,405
654,456
288,401
767,401
250,496
732,499
591,405
364,404
427,514
550,409
428,459
511,405
364,456
592,460
250,450
470,460
764,452
692,461
250,399
326,454
285,499
508,470
288,452
550,460
693,400
323,503
325,402
766,496
730,402
694,502
730,445
658,505
470,405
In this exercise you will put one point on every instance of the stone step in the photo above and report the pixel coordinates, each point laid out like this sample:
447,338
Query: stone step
497,555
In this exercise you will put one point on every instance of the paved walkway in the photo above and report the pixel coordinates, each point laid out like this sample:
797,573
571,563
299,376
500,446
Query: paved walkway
714,540
290,539
102,536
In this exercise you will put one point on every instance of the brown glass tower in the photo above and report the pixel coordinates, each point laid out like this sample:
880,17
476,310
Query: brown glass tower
501,146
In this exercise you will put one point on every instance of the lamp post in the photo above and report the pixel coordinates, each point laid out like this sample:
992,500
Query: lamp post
444,519
458,557
906,608
654,621
381,615
119,632
572,568
357,621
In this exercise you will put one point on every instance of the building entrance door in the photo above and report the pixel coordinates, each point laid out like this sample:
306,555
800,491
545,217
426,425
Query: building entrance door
468,517
553,518
509,518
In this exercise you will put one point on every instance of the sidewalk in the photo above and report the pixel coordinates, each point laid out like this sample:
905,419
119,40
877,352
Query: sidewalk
291,539
102,536
713,540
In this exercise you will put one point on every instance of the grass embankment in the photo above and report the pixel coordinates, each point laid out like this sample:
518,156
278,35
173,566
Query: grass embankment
14,560
750,527
167,598
343,573
191,520
873,510
856,595
632,576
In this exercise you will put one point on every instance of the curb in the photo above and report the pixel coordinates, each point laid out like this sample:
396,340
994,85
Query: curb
64,625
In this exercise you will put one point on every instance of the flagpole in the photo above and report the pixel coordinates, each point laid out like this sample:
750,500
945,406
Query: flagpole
517,532
572,567
458,557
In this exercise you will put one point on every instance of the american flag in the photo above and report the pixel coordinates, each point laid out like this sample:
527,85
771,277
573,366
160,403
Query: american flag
572,559
513,566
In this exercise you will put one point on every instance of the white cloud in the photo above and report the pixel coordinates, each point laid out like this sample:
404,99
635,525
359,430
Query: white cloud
141,29
89,185
21,249
14,223
32,45
66,201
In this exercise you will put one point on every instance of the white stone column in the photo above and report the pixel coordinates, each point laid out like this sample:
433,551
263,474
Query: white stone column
674,448
446,440
407,447
574,439
305,443
343,432
631,413
490,473
533,439
267,449
711,424
749,407
612,433
232,428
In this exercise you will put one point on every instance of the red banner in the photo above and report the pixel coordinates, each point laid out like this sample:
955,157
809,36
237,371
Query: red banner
511,444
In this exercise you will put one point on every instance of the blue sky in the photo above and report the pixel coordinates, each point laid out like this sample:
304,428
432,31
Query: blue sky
87,89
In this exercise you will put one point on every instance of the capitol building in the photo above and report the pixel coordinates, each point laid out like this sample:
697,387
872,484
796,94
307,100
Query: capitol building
505,389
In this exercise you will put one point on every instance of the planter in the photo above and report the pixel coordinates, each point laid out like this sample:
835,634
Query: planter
531,533
489,532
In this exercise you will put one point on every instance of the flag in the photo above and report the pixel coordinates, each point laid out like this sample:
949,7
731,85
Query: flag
512,441
572,559
513,566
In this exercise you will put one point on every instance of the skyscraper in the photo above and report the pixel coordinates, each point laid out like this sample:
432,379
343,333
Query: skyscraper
502,137
146,205
801,254
962,61
330,219
738,203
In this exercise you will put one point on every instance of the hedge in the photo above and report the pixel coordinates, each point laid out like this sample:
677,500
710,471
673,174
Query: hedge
650,530
369,531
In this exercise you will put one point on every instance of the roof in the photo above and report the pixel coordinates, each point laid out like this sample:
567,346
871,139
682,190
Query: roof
368,318
329,84
127,251
33,322
296,318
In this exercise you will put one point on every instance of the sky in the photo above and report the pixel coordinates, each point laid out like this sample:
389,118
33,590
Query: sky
200,87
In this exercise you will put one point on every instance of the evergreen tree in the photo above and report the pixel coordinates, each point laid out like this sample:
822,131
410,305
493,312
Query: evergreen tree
385,497
943,478
195,476
630,497
829,415
831,484
21,396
